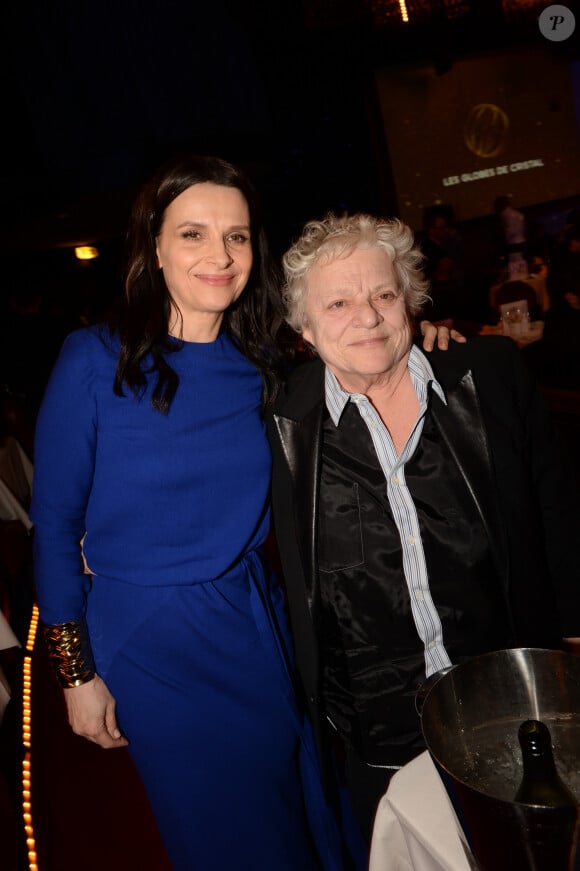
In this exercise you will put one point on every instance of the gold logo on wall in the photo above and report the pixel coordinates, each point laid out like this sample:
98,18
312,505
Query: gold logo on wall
486,130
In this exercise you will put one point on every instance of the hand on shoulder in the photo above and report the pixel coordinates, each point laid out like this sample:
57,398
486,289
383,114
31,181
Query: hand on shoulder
439,333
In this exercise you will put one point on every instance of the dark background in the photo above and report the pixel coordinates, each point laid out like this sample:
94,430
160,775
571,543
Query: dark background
95,95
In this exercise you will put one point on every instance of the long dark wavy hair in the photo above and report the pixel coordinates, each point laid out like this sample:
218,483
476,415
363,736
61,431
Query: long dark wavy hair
142,318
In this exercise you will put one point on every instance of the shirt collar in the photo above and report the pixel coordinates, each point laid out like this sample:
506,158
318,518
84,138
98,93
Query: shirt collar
421,375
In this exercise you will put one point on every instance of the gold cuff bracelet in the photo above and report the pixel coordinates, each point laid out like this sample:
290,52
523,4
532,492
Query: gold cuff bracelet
70,653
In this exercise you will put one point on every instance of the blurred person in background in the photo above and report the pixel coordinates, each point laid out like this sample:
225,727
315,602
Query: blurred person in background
512,236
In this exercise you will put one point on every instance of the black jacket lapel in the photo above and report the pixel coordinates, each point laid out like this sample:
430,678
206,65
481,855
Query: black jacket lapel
301,444
461,425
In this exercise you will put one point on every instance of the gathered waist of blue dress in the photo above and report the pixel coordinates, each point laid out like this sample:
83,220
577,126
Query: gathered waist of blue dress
252,562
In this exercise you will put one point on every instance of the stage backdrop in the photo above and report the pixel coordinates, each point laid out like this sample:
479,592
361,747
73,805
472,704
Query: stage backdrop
489,126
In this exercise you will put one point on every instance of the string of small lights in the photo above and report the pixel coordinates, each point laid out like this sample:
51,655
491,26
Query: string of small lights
26,741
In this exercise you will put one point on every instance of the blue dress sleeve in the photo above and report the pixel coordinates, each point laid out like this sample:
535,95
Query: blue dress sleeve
64,459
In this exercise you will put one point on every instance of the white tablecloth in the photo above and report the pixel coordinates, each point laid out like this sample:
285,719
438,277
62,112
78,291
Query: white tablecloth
16,470
7,639
415,827
16,473
11,508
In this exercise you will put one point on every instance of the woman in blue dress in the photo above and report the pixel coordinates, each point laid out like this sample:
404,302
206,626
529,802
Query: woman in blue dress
164,625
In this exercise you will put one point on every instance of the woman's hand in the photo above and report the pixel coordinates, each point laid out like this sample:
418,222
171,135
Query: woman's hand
91,713
438,333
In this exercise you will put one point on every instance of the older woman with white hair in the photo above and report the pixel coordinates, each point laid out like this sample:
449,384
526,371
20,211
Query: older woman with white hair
422,508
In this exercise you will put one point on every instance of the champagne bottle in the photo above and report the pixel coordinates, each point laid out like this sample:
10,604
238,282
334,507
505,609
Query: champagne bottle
541,784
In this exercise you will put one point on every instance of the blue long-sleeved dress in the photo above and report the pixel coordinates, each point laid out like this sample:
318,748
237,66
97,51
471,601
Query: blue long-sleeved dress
187,626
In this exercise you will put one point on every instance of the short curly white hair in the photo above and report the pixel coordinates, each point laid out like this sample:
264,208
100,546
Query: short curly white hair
336,236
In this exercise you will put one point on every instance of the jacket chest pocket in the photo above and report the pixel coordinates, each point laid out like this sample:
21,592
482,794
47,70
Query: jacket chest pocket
340,544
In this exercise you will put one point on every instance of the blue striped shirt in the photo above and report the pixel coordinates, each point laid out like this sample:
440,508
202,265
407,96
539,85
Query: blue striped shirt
403,509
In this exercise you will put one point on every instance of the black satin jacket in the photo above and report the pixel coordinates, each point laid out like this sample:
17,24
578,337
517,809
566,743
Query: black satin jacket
505,446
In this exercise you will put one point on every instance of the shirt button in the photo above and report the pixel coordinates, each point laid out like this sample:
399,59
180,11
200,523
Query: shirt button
419,596
410,539
395,479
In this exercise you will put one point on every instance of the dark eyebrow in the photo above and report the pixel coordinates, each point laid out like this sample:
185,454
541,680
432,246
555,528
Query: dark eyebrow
200,224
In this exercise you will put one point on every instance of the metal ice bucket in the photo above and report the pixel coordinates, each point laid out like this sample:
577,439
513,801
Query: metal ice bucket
470,720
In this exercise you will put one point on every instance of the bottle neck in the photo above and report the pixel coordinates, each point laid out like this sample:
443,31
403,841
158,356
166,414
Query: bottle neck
535,763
